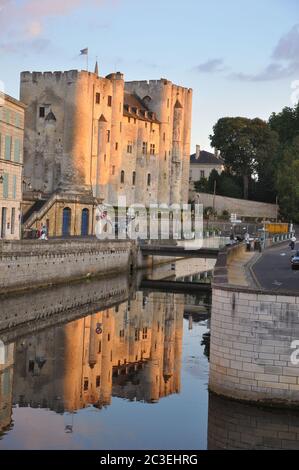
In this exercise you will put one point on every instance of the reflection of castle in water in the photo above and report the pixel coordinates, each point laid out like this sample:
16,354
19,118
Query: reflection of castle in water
234,425
131,351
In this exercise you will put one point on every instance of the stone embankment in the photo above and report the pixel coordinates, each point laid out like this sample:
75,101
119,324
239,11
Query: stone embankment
252,336
36,263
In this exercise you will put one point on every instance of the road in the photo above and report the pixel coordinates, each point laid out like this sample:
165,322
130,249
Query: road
273,270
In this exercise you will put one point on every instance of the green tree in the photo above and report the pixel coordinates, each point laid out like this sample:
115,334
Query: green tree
247,146
286,124
201,186
230,186
288,182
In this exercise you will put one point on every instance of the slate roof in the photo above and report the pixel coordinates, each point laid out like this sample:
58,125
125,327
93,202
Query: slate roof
133,103
206,158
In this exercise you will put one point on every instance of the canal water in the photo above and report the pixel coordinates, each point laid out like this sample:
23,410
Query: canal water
132,375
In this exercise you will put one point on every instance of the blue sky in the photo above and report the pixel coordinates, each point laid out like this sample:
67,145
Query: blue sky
240,57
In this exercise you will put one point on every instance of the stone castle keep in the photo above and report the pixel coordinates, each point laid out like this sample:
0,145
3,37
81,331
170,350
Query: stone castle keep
89,138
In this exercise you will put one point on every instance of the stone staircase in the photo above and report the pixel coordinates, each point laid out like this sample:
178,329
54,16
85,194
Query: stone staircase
39,210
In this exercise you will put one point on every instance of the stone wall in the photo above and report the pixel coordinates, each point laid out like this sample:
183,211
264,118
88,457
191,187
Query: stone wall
241,426
29,312
237,206
251,336
24,264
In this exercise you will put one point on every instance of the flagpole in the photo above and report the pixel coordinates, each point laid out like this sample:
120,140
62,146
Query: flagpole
85,52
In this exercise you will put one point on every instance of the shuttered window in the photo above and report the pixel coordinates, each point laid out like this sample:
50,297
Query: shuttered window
7,147
5,185
17,150
14,187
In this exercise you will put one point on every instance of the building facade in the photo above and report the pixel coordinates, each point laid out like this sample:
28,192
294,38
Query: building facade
11,165
202,163
102,139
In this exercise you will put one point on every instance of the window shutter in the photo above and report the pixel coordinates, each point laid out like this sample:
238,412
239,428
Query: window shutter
5,186
7,147
14,187
17,148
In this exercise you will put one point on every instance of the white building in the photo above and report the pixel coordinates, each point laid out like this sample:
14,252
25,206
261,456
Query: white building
202,163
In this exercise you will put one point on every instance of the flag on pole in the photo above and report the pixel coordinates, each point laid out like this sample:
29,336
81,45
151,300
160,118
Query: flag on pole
85,52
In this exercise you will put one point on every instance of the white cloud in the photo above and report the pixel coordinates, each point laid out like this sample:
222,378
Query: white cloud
211,66
24,21
288,46
285,62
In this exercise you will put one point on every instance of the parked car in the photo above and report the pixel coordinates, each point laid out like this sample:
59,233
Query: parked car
295,260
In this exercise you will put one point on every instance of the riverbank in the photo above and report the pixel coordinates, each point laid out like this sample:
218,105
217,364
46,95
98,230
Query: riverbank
252,335
35,263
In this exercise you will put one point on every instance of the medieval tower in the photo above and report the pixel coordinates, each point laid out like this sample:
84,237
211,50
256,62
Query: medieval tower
88,137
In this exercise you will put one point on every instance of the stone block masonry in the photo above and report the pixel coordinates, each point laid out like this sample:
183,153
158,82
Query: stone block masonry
251,338
240,207
252,331
28,264
238,426
28,312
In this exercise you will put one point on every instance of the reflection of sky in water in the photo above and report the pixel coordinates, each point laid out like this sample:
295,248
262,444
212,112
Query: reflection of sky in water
175,422
184,420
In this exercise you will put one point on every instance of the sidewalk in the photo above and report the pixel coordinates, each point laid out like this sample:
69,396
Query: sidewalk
238,274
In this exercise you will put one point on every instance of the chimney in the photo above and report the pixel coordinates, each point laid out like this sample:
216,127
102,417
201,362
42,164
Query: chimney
197,152
216,153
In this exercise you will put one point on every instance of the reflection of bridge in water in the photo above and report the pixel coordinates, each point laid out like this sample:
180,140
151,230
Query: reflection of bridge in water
179,251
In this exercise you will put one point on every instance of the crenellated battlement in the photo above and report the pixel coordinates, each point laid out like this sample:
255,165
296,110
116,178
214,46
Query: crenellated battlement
157,83
58,75
68,75
115,76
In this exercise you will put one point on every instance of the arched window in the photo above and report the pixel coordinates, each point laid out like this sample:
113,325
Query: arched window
84,222
149,179
66,222
122,176
134,178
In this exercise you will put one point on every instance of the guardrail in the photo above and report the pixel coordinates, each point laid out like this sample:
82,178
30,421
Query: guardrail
281,237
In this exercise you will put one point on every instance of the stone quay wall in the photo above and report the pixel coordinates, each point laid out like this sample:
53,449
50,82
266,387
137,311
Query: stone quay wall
252,331
238,426
26,313
33,263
